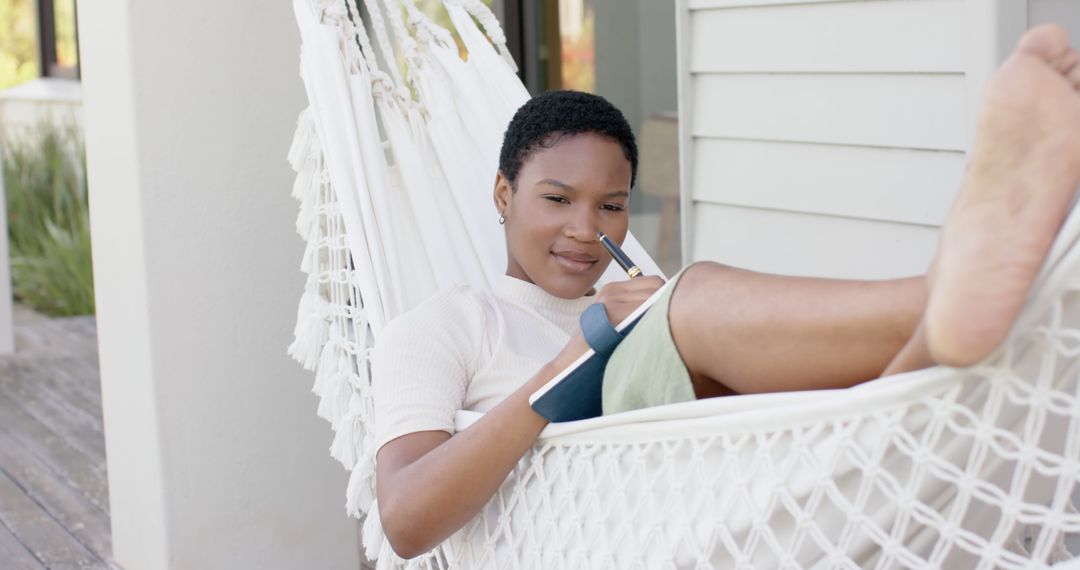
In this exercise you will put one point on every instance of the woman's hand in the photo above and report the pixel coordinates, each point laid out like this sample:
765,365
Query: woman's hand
620,298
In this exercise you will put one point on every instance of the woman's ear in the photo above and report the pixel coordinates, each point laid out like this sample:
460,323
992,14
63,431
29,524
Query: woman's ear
503,194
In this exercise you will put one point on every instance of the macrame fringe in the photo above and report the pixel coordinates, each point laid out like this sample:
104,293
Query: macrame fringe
302,186
341,380
376,546
311,251
326,367
348,443
305,158
358,448
344,398
305,144
358,499
305,220
335,400
311,331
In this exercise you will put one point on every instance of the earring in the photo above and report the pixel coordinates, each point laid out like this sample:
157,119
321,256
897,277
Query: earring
502,219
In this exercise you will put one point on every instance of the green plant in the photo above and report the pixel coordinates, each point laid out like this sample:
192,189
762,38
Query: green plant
18,42
48,221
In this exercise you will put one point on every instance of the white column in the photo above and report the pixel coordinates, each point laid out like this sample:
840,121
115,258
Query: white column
216,458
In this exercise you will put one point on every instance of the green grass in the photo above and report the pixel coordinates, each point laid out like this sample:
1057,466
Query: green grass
48,221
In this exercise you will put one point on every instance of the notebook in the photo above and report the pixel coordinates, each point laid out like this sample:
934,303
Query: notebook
576,392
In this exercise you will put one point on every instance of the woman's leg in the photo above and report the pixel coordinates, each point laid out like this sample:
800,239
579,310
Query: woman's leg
748,332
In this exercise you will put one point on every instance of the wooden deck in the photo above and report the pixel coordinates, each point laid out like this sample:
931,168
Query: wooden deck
54,505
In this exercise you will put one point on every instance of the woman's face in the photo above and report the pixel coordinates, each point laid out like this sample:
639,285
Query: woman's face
565,194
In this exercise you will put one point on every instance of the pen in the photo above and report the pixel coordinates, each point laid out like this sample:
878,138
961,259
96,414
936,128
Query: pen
620,257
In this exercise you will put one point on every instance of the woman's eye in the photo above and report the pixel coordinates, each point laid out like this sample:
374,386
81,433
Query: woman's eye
559,199
613,207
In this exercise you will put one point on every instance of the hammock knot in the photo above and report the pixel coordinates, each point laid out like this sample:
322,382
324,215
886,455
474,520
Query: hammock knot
381,82
330,12
487,19
426,30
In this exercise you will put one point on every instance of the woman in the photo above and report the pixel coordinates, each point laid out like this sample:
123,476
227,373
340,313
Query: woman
567,164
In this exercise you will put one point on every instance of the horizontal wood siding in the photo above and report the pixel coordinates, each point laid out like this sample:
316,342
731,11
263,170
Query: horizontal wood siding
793,243
894,185
907,111
910,36
822,137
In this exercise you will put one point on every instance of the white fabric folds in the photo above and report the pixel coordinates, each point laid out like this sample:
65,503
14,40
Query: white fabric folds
949,468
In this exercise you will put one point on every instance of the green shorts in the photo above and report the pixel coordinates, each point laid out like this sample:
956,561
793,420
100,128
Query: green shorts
646,369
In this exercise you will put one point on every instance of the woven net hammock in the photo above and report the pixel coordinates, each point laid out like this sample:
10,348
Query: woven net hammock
971,468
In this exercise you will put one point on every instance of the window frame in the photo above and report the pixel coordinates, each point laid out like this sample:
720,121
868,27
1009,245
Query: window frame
46,24
532,47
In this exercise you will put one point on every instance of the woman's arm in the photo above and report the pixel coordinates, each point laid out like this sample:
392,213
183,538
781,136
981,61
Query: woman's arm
430,484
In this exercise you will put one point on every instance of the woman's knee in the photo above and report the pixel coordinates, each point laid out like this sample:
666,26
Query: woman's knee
699,279
693,314
693,297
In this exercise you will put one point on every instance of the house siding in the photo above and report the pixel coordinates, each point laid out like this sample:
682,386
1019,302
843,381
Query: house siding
822,137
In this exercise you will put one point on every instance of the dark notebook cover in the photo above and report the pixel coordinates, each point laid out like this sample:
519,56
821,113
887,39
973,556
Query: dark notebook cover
576,392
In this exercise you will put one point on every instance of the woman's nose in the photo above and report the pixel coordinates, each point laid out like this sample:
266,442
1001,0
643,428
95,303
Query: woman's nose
582,227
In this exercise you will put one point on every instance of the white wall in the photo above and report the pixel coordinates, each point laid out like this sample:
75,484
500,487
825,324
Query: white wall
216,458
826,137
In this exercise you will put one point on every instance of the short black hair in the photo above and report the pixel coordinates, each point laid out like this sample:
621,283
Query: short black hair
545,119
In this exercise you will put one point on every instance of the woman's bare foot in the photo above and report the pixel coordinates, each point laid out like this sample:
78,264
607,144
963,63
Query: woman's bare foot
1023,172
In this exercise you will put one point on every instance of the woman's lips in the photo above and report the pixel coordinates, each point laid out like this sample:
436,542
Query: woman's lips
574,265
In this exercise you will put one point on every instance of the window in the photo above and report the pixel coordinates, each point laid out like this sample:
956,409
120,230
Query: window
59,45
37,38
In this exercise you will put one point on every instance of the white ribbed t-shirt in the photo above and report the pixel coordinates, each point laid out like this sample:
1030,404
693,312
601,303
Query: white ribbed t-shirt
465,349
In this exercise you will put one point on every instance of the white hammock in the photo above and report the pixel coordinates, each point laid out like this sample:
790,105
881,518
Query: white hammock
942,467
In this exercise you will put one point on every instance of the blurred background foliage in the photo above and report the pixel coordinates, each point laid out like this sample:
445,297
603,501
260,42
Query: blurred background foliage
67,48
44,175
44,172
437,12
18,42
